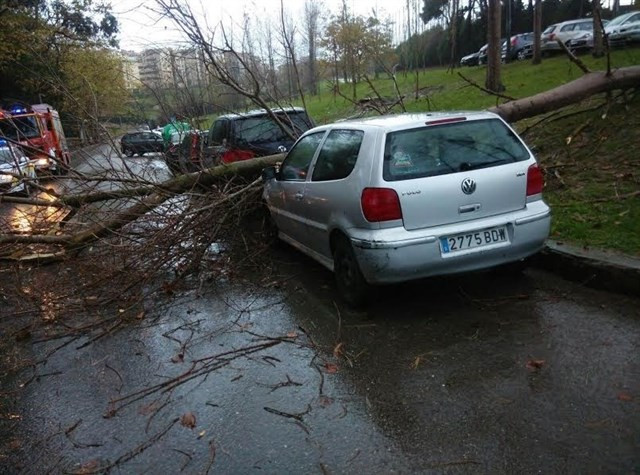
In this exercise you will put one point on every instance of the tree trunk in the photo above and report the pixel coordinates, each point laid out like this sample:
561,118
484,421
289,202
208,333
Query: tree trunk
537,32
155,196
453,33
493,82
570,93
598,44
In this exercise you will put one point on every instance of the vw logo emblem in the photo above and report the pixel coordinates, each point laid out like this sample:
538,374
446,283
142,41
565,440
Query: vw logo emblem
282,148
468,186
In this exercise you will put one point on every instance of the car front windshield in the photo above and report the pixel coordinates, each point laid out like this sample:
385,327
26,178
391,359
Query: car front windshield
19,127
450,148
619,20
6,156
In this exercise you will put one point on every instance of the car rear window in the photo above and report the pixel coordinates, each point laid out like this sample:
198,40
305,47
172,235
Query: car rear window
264,129
450,148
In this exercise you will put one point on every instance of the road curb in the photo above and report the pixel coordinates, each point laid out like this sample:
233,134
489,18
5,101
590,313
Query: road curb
599,269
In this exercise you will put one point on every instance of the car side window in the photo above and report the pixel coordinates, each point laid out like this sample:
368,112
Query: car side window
338,155
218,132
296,165
568,28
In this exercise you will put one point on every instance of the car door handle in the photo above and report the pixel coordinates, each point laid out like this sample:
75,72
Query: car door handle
299,195
468,208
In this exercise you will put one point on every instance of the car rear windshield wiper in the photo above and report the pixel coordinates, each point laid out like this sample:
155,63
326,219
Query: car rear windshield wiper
474,166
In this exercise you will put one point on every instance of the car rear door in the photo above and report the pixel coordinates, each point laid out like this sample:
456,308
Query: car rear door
456,172
285,195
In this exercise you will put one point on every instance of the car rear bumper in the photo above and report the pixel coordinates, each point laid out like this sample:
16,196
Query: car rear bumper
397,255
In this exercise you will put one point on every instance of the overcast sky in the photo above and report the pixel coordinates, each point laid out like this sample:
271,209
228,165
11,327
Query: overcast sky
140,28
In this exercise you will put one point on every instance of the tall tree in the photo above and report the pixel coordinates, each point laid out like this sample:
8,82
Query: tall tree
598,41
38,35
312,10
537,31
493,81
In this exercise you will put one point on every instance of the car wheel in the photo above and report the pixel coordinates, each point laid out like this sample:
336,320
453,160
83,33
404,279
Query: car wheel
351,284
140,154
269,227
521,55
128,152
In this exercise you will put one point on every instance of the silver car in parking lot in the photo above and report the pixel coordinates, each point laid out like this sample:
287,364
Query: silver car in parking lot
396,198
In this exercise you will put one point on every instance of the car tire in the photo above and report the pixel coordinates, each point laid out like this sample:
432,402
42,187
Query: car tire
270,229
128,152
351,284
521,56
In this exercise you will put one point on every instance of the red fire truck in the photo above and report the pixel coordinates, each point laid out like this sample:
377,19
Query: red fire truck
38,130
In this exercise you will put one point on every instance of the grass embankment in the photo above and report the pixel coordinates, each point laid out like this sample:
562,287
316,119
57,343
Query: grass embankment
592,164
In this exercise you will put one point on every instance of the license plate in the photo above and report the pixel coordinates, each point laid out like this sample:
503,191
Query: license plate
462,242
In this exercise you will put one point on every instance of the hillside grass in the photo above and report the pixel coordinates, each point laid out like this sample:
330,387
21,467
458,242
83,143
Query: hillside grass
440,89
592,173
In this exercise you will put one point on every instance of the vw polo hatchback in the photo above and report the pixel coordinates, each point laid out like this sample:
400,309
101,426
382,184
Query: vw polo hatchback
397,198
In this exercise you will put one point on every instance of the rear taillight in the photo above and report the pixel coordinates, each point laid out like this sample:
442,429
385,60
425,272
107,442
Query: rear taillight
552,36
380,204
535,181
513,41
234,155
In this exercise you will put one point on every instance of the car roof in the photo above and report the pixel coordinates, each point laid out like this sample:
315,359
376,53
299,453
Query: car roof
410,120
579,20
261,112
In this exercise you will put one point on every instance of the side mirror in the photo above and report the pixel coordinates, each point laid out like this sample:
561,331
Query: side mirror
268,174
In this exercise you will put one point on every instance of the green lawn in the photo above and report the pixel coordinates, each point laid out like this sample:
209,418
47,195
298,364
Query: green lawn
445,90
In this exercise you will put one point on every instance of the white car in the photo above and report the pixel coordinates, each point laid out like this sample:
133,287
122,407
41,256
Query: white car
402,197
624,28
17,171
564,32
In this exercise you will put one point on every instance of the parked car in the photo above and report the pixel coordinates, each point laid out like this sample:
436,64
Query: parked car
483,53
235,137
565,31
518,47
17,171
470,59
397,198
141,143
185,156
624,28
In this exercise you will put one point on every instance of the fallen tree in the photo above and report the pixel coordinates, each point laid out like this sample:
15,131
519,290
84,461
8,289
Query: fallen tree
571,93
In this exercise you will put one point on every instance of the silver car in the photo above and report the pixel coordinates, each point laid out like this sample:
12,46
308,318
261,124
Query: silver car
402,197
17,171
624,28
564,32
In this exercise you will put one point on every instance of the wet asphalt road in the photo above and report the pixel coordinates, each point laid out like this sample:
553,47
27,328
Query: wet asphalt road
471,374
269,373
100,162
